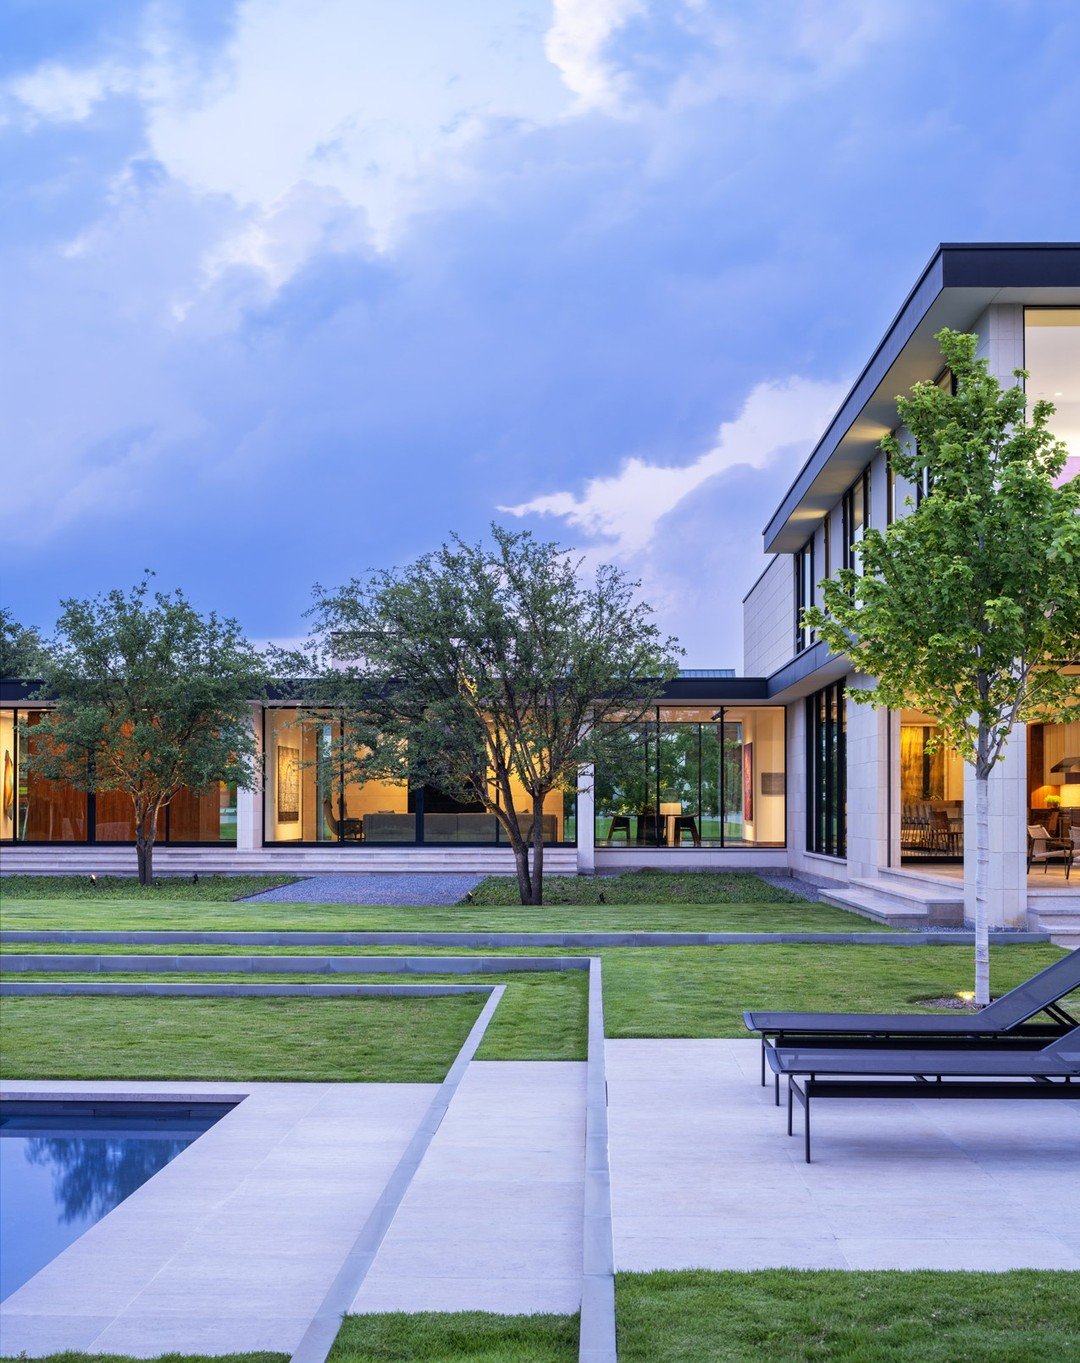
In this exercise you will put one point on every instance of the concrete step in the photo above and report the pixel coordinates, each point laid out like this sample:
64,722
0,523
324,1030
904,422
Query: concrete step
100,860
902,902
1060,919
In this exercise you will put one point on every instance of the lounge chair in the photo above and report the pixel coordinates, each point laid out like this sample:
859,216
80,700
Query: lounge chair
1007,1019
986,1070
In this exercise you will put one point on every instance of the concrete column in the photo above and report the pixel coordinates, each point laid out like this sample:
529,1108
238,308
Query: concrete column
586,823
1007,889
249,802
867,784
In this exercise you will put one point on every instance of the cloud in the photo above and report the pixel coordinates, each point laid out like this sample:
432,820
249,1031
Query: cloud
625,509
577,42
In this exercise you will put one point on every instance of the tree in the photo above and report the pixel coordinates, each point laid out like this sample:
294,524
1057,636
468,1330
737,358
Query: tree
969,607
148,697
22,653
483,668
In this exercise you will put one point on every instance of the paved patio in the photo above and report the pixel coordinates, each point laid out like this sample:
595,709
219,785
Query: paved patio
492,1220
704,1175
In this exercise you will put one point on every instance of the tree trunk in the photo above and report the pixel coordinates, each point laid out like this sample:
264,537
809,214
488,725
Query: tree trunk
144,851
538,850
982,879
145,825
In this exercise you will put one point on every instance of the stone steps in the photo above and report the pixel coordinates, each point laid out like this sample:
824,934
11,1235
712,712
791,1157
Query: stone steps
101,860
900,901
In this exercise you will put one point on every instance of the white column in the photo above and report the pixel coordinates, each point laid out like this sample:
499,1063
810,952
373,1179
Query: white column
1007,888
867,784
586,823
249,802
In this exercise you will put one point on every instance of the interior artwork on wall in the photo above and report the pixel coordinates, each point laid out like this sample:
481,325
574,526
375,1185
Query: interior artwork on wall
288,785
748,783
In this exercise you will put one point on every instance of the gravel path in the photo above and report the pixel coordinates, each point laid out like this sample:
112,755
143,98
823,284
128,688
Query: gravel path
373,887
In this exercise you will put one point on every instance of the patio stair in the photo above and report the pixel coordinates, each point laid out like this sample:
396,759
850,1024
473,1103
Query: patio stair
901,899
1058,913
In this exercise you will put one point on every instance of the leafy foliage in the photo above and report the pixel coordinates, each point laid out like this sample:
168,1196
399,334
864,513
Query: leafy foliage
149,696
968,607
22,651
483,668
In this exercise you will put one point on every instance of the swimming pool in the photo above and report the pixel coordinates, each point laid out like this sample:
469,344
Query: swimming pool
65,1165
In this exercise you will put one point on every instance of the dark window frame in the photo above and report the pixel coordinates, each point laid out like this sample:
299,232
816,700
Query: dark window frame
826,771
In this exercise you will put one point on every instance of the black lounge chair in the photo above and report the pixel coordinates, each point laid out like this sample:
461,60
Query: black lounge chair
983,1071
1007,1019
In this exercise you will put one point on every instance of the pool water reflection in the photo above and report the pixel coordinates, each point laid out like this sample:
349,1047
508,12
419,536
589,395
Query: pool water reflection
63,1166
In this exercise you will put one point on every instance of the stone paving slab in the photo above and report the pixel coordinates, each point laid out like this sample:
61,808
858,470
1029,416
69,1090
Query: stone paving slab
705,1176
374,887
233,1245
492,1219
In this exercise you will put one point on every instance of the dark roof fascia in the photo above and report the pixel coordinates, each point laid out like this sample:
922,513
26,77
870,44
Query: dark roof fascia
954,265
801,669
710,689
13,689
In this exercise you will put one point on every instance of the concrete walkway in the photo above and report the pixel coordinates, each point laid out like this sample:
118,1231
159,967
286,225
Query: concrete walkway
233,1245
492,1220
374,887
704,1176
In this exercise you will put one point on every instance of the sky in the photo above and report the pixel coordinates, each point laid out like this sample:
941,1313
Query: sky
292,289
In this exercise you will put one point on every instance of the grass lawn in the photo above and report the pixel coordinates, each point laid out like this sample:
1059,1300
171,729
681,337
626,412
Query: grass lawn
340,1040
784,1316
644,887
208,889
682,991
469,1336
103,914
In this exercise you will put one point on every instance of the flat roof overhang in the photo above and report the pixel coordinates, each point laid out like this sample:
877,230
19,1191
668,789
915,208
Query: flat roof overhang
959,283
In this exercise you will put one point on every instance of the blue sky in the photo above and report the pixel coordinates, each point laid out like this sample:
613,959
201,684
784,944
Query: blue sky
293,288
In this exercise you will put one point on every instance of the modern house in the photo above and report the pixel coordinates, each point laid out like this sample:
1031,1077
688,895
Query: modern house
770,770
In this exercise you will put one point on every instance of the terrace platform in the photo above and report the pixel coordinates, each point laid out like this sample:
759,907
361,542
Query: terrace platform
705,1176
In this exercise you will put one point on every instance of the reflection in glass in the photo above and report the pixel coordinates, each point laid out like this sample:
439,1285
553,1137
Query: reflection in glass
1052,359
714,780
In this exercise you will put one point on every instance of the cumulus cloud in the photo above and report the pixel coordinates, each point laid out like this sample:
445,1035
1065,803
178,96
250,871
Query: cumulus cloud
624,509
577,44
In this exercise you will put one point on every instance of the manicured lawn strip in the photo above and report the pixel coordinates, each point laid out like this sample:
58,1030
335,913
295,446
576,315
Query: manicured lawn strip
465,1336
542,1016
702,991
110,915
169,889
785,1316
693,991
340,1040
644,887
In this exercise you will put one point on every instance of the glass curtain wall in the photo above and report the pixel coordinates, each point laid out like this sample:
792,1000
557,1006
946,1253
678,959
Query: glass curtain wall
1052,359
692,776
35,810
307,798
1053,753
931,794
826,772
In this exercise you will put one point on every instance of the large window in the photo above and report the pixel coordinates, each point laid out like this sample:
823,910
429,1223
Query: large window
35,810
692,776
826,772
931,793
1052,359
804,593
856,516
307,797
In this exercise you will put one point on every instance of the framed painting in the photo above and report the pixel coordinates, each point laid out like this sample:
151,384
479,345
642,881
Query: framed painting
288,785
748,783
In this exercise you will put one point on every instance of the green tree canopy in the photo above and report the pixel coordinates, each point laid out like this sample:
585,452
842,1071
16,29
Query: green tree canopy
969,607
22,651
148,696
484,667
